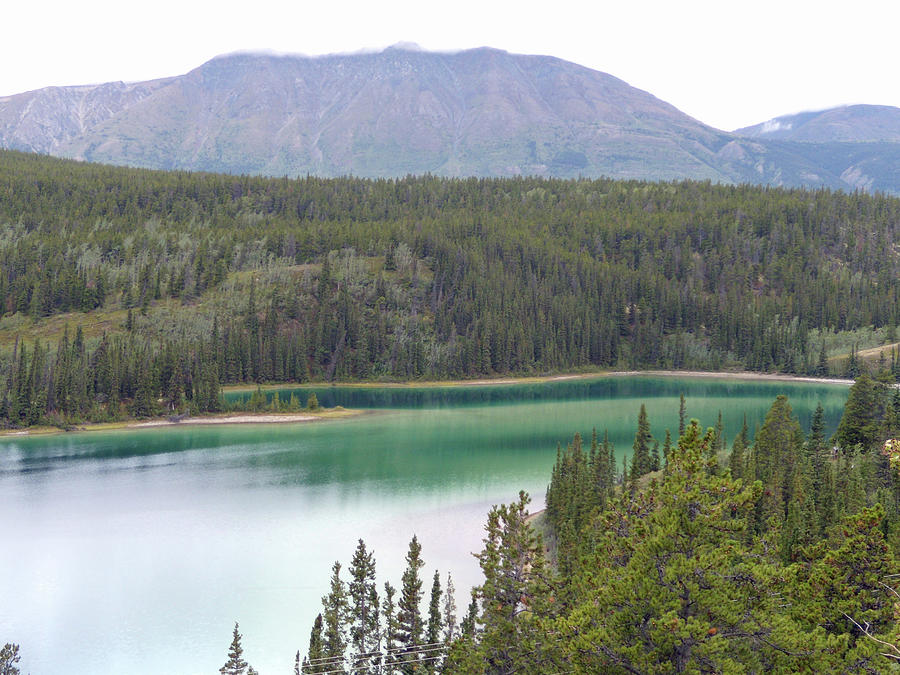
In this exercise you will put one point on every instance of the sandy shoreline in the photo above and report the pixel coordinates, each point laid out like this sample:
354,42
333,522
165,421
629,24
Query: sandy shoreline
235,418
228,419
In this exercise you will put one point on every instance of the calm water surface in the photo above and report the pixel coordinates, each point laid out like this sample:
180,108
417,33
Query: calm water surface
135,552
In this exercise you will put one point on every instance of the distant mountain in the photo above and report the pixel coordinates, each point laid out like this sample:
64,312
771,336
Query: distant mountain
481,112
854,123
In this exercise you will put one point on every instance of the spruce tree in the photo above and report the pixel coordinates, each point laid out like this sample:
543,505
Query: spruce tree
654,457
313,662
469,624
334,615
363,611
236,665
449,611
641,463
409,613
844,587
715,610
776,448
737,460
667,450
312,402
862,415
435,623
851,369
512,563
822,365
817,452
391,628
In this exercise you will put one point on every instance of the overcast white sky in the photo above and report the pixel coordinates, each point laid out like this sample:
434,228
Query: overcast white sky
727,63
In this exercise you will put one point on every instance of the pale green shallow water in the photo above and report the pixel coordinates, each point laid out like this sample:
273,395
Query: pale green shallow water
134,552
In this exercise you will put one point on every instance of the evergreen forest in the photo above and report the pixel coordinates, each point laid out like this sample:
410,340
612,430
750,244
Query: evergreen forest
127,292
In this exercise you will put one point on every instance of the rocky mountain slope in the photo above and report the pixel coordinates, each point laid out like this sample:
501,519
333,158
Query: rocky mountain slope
480,112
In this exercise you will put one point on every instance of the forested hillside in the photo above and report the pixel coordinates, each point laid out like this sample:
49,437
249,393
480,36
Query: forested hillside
138,287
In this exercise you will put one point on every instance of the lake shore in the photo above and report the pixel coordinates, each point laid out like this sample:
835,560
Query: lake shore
334,413
537,379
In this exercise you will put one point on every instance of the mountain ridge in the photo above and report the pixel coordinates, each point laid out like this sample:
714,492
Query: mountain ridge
849,123
401,110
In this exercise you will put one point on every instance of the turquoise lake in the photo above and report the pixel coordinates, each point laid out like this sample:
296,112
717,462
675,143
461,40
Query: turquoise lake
136,551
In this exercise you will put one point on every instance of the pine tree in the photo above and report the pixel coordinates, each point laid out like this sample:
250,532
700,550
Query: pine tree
450,626
435,623
312,402
852,369
862,415
512,562
817,452
363,611
683,596
313,663
737,460
641,462
469,624
654,457
776,447
391,629
682,415
334,615
843,587
409,613
822,365
235,665
667,450
718,442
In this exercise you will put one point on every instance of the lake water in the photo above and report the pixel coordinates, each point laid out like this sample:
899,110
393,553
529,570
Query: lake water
136,551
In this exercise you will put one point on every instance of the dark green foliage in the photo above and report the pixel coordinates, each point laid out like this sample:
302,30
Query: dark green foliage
641,461
580,483
773,461
483,276
846,586
863,412
667,450
851,368
684,576
514,593
821,369
391,630
363,611
335,610
315,654
435,624
312,402
680,594
739,448
409,613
